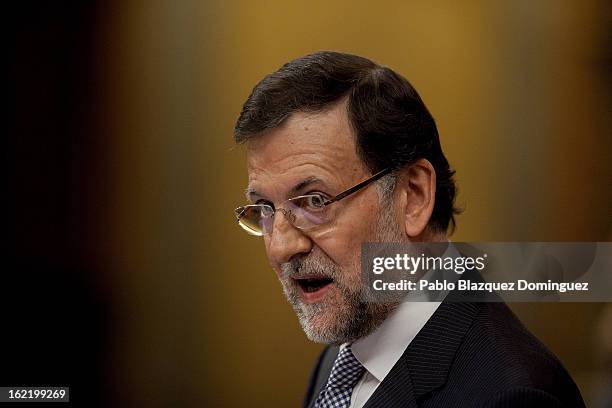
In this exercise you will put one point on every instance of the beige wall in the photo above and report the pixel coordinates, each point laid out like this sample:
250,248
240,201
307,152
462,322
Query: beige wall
516,88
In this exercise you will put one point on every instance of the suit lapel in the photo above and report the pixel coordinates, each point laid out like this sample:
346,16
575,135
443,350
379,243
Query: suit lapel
323,372
425,364
396,390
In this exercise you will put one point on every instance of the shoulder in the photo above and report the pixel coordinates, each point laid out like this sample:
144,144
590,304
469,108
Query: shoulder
525,397
499,361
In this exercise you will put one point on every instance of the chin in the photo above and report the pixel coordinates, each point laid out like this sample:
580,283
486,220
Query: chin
323,335
335,326
322,324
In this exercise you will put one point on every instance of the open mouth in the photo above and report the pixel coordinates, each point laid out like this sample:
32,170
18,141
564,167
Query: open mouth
313,284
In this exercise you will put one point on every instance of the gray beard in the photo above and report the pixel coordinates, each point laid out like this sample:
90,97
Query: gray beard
333,321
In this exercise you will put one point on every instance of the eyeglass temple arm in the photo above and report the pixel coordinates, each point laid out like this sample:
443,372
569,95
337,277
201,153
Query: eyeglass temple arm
359,186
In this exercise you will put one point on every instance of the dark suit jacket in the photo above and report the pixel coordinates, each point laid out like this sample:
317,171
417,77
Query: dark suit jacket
468,355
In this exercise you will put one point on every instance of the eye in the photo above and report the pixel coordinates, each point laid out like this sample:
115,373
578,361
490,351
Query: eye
261,201
266,208
267,211
314,201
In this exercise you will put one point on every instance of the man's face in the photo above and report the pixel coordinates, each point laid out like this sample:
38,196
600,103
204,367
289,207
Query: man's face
319,269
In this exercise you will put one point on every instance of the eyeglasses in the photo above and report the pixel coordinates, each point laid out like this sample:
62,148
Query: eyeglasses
303,212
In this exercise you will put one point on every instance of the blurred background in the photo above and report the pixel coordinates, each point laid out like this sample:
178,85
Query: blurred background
126,277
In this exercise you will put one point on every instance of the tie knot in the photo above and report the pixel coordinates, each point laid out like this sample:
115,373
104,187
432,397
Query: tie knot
346,370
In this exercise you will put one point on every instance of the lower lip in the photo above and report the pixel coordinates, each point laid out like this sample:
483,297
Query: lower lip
311,297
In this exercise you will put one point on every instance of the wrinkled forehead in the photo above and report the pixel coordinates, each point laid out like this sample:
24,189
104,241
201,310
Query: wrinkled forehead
306,146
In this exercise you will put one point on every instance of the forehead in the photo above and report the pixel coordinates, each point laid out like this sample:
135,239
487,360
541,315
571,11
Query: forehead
306,145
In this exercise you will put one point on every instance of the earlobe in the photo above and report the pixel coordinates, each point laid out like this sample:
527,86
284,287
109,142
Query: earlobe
419,189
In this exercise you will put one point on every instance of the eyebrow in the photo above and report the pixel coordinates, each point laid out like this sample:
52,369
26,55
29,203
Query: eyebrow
303,184
250,192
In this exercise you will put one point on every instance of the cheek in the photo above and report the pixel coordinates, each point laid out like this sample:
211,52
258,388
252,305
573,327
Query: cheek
342,242
343,251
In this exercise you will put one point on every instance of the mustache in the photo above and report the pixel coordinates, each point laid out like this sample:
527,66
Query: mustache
308,267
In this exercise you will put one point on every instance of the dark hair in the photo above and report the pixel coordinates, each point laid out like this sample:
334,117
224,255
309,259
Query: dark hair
391,123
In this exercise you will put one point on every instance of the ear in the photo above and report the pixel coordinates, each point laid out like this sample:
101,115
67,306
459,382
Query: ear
418,190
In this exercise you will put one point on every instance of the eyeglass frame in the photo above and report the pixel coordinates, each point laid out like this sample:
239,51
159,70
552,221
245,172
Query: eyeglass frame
239,211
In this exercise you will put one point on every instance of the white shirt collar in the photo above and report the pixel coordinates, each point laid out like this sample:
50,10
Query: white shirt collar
379,351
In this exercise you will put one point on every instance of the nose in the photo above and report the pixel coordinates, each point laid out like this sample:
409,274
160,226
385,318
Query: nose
285,240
